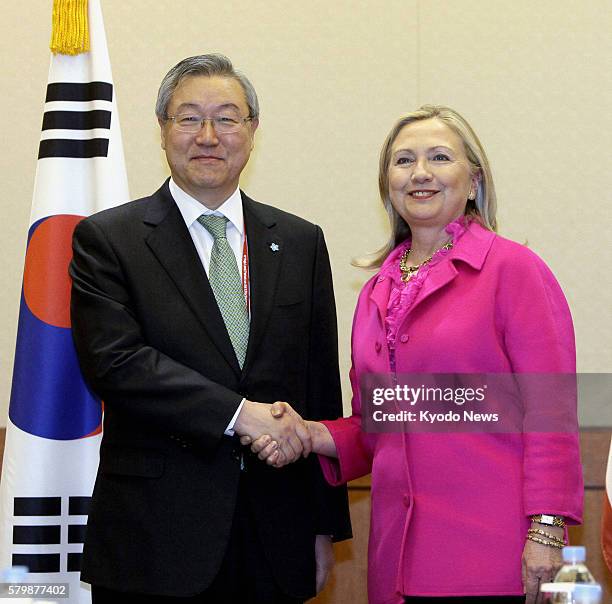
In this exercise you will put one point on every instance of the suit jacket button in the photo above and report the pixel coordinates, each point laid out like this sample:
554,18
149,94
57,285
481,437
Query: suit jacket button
404,338
377,346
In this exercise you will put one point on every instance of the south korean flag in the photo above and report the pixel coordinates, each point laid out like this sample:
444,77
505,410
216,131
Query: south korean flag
55,421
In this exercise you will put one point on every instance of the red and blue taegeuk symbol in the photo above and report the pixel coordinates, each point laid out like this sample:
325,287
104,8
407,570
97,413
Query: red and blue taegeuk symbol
49,397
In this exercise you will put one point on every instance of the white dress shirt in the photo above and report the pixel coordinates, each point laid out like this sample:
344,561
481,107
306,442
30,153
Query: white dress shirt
191,209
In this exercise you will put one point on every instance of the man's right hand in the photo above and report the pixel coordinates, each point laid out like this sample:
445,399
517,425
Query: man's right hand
284,427
268,450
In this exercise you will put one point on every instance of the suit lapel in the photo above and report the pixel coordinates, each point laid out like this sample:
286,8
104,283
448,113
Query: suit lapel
265,257
172,245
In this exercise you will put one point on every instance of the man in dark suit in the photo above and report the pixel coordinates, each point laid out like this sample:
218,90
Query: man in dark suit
188,331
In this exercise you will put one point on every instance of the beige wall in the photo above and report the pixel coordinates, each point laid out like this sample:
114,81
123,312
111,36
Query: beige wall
533,77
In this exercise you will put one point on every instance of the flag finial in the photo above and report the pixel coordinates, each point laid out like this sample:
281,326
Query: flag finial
70,30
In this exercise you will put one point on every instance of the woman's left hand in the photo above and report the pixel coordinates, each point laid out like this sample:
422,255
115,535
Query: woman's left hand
539,565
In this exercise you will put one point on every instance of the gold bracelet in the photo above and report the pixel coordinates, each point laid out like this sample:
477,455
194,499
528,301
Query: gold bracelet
549,520
550,536
548,543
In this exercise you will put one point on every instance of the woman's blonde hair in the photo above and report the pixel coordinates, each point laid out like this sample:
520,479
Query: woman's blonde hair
483,208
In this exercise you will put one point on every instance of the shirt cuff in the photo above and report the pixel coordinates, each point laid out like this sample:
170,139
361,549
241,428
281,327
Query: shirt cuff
229,431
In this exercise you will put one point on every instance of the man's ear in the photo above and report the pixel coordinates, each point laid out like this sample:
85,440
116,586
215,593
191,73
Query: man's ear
254,124
162,130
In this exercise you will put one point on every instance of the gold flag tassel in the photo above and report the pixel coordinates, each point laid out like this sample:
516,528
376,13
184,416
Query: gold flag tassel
70,30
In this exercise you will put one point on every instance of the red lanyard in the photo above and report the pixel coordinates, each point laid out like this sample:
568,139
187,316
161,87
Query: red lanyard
245,275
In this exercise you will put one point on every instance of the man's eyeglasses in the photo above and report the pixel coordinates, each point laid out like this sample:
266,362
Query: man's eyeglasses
193,123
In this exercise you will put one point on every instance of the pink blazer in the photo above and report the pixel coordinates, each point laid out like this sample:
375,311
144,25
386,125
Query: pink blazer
450,511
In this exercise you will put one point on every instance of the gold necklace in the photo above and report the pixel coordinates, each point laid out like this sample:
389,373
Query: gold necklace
409,271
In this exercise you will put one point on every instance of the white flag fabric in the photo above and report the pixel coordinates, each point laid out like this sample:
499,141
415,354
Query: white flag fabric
54,424
606,529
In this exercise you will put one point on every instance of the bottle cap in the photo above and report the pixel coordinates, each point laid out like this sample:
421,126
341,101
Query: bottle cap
574,554
14,574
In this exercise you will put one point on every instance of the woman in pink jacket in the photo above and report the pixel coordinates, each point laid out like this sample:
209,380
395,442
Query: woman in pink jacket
456,517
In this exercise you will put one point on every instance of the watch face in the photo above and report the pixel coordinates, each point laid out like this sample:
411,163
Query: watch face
545,519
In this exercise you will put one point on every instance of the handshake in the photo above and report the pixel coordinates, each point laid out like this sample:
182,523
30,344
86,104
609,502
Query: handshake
279,435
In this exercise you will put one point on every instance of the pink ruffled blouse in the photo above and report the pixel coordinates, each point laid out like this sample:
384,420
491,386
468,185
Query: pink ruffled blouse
403,293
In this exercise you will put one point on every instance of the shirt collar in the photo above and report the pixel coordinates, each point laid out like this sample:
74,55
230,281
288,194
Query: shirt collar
475,245
191,209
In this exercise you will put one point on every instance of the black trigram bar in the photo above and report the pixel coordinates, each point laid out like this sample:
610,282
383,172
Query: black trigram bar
37,506
72,91
78,506
76,533
76,120
36,534
74,562
38,563
64,147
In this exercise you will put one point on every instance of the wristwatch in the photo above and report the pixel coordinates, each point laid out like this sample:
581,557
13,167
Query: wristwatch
549,520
